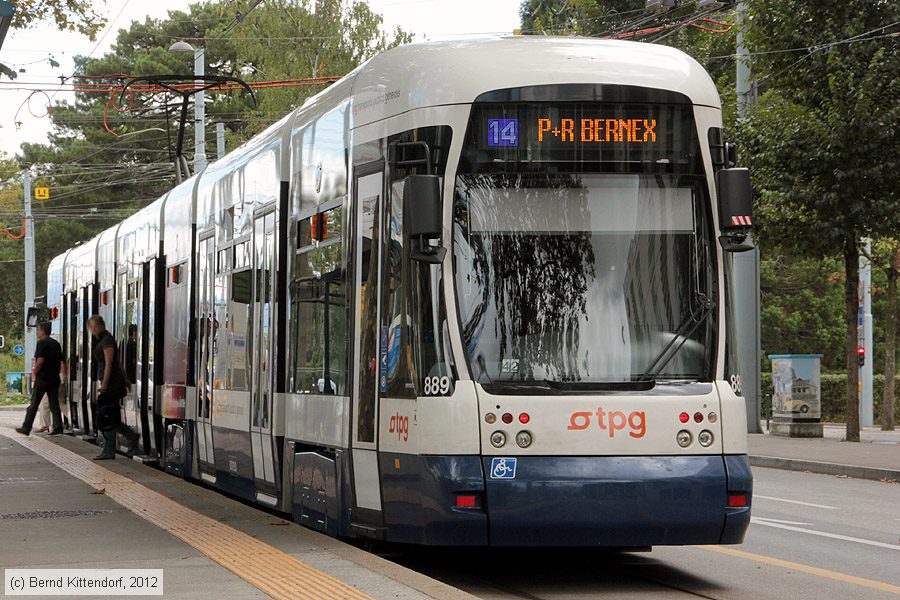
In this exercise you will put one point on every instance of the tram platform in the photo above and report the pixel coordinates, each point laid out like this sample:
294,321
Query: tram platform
59,509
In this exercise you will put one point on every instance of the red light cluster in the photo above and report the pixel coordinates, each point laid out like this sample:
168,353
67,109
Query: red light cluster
737,500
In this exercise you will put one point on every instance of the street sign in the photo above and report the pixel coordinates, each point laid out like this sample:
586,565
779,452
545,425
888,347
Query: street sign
2,342
18,349
41,193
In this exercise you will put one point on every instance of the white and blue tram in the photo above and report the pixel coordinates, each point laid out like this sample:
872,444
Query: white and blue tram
474,293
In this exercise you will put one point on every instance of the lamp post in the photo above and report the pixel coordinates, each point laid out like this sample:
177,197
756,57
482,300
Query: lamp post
199,105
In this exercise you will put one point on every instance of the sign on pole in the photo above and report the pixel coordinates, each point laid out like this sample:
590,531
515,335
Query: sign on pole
18,349
41,193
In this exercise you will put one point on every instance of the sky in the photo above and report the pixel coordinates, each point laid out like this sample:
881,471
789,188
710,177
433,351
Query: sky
29,49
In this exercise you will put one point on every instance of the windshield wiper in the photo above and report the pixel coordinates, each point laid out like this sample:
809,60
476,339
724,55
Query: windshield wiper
638,384
685,330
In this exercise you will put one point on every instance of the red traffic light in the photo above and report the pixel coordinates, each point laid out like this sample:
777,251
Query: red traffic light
861,351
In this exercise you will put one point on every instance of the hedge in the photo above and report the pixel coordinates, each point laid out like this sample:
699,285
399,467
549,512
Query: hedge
834,396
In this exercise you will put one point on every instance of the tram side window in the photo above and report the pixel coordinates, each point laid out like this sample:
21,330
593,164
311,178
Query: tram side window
319,312
239,327
414,317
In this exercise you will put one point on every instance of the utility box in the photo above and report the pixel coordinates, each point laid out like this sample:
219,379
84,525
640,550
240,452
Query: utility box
796,398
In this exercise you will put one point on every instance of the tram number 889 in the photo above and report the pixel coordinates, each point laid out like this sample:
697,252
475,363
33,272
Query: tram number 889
437,386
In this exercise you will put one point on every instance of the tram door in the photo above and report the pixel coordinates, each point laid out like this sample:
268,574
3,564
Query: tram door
263,314
205,331
128,335
143,365
370,350
87,374
73,357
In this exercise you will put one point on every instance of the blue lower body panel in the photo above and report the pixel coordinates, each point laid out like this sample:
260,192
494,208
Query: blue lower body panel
609,501
419,496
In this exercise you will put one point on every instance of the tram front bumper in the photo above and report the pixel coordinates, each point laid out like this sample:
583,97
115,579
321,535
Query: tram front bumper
612,501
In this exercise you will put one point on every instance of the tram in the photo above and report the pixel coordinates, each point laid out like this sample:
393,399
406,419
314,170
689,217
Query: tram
474,293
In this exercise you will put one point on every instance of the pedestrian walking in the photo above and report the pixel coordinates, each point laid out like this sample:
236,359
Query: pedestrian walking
113,388
44,380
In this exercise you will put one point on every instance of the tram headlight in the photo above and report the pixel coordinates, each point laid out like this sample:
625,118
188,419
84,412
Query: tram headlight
524,439
705,438
490,418
684,438
498,439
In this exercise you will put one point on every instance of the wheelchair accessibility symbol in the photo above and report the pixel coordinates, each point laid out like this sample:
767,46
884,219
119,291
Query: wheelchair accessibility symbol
503,468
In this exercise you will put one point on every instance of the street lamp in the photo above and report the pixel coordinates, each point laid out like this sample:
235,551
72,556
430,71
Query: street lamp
199,104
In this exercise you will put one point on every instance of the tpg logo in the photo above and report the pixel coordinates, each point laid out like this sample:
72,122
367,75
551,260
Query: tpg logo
400,426
610,421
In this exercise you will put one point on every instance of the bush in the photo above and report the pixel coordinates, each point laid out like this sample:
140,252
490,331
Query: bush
834,396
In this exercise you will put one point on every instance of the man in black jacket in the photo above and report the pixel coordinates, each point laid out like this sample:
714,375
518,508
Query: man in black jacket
113,387
44,380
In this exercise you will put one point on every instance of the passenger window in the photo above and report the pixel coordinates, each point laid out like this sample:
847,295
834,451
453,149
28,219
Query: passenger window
319,319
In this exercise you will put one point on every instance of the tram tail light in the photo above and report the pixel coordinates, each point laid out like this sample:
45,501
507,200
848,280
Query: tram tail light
737,500
466,501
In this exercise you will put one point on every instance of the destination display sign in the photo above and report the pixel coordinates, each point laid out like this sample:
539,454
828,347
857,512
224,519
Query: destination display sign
587,132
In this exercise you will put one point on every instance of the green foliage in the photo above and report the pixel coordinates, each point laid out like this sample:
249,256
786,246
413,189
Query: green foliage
576,17
66,15
97,179
284,39
610,18
802,308
823,144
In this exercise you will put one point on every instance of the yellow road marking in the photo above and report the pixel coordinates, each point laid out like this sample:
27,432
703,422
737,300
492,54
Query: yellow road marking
274,572
819,572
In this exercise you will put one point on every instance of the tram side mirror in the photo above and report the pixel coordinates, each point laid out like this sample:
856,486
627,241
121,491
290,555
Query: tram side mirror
423,208
735,209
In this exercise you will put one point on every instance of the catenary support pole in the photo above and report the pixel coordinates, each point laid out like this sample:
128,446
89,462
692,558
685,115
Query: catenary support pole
199,113
220,140
866,407
30,333
746,264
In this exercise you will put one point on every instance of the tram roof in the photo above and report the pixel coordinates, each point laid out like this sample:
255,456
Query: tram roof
456,72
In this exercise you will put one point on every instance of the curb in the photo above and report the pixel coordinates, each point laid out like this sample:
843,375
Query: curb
823,468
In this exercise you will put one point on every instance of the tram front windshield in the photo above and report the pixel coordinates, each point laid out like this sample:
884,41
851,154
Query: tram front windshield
584,256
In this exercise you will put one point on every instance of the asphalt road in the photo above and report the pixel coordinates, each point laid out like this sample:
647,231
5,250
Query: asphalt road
813,537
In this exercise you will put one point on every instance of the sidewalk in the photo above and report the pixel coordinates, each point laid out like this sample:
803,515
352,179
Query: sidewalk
876,456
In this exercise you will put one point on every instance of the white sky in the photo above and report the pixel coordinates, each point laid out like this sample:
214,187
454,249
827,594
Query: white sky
427,19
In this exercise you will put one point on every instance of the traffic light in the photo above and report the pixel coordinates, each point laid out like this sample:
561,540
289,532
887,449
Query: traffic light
861,353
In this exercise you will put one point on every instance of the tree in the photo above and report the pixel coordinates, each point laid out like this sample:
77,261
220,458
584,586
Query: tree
67,15
286,39
98,179
886,255
713,46
576,17
823,143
